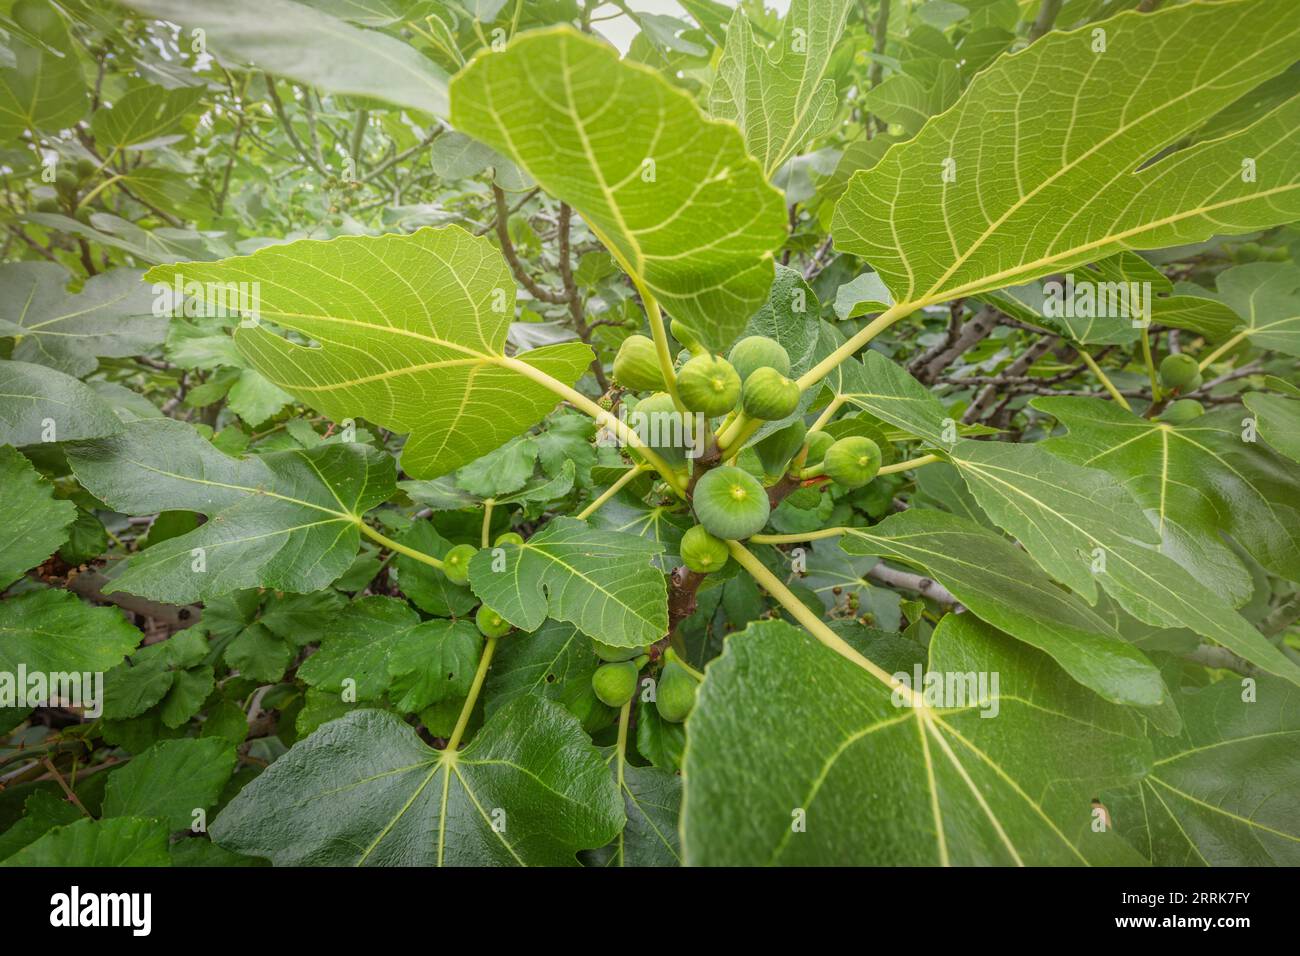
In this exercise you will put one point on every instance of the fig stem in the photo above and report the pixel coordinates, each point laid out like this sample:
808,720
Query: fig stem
1093,367
815,625
474,689
909,464
392,545
485,537
1151,365
611,491
584,404
1228,344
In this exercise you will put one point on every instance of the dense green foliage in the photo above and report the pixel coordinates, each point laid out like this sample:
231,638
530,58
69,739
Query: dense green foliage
865,435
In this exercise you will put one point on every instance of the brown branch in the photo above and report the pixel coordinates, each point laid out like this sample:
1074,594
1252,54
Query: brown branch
926,587
502,225
989,393
927,367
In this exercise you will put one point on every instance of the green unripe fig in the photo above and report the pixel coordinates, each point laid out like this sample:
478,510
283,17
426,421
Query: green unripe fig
490,623
580,700
1178,371
730,503
818,444
636,366
508,537
688,337
708,384
702,552
615,684
455,563
768,395
758,351
776,450
657,420
66,184
85,169
608,652
675,695
83,215
48,205
1182,411
852,462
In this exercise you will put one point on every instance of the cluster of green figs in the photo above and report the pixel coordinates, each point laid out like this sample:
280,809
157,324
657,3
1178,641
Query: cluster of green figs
754,381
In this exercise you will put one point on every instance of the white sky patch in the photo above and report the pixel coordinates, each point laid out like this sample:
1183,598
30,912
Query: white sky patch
621,30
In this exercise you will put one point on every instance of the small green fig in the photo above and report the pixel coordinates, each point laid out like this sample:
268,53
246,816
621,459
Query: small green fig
688,337
1182,411
662,427
730,503
508,537
852,462
490,623
608,652
455,563
758,351
769,396
66,184
708,384
85,169
636,366
1178,371
615,684
675,694
48,205
776,450
701,551
818,444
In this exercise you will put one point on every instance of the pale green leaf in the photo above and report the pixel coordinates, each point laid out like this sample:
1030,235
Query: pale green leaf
45,89
410,334
143,116
1072,126
1278,421
1001,584
672,194
780,94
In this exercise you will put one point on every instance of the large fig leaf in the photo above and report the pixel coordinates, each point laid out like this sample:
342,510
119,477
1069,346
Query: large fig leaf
409,333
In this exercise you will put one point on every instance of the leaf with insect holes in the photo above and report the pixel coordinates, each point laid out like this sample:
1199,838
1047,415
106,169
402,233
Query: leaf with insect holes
602,581
285,520
365,790
410,334
1073,121
880,784
672,194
